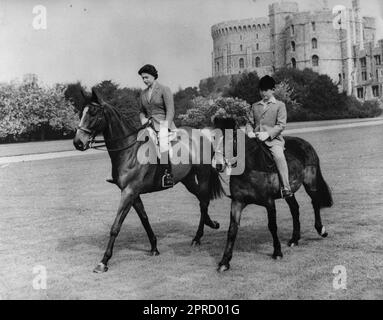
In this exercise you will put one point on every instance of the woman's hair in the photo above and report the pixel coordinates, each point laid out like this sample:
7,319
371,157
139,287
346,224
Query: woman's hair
149,69
266,83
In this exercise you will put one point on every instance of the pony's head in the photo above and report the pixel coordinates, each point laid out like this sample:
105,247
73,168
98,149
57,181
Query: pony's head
92,121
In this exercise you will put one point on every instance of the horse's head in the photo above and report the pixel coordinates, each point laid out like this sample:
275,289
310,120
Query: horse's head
92,121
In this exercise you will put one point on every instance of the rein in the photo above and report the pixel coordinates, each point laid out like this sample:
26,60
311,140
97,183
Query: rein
104,142
99,147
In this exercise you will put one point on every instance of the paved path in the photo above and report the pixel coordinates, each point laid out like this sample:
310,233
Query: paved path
299,128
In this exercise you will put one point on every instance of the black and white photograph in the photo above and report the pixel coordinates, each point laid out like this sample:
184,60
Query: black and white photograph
204,152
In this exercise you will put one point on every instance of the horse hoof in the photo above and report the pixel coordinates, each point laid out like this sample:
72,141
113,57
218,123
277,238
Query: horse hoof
154,253
292,243
100,268
323,232
277,256
223,267
216,225
196,242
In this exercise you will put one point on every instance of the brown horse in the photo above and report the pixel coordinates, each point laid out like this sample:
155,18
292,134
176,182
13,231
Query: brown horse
120,131
259,184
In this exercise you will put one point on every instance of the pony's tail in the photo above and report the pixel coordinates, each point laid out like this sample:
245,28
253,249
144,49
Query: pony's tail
325,197
215,184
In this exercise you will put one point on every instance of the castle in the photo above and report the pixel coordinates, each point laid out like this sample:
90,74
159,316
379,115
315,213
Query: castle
340,44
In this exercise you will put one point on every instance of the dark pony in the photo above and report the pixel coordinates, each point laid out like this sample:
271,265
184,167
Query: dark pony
259,184
120,127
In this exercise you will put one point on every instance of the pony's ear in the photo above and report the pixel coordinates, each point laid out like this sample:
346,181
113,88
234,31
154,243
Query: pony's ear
96,96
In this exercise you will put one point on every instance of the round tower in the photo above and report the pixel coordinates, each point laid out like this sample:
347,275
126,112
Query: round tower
241,45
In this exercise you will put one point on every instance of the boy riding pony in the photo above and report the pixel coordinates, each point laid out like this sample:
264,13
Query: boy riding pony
269,117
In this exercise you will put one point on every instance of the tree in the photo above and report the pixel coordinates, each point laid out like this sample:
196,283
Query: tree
106,89
246,88
183,100
205,110
27,110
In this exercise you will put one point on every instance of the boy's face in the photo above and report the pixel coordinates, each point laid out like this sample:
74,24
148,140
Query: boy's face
266,95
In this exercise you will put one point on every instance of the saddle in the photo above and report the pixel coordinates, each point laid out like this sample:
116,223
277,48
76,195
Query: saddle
162,170
265,161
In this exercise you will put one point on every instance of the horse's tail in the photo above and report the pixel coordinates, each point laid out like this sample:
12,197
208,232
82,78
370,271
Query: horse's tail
216,189
325,197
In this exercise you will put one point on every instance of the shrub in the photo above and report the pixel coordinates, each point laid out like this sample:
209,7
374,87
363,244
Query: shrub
205,110
27,110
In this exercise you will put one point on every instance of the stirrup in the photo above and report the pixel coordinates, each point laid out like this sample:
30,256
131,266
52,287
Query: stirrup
167,180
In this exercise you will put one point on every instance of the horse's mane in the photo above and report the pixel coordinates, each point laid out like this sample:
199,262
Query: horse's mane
129,114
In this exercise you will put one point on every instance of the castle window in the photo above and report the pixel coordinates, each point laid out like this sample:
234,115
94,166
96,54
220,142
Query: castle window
257,62
360,93
257,46
315,61
377,74
313,26
259,26
264,26
254,26
292,30
363,62
293,46
314,43
257,36
241,63
378,59
241,47
240,28
217,67
375,91
364,75
294,63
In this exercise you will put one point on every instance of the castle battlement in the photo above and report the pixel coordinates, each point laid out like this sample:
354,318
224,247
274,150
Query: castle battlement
243,25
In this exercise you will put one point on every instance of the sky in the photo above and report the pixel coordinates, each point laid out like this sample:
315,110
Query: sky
95,40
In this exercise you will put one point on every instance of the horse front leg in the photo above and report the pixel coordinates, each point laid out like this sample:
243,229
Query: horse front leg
139,207
235,218
272,218
126,202
294,209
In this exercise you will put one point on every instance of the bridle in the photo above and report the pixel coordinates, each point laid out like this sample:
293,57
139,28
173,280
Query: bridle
103,143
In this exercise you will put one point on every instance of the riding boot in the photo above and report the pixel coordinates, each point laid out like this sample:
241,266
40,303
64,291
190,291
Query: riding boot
167,178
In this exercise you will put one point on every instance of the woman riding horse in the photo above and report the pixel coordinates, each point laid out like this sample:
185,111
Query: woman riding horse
157,104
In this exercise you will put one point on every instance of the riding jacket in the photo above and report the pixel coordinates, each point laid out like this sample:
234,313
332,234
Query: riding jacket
270,117
159,105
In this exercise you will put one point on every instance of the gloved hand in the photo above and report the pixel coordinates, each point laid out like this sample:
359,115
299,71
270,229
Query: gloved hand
251,135
263,136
